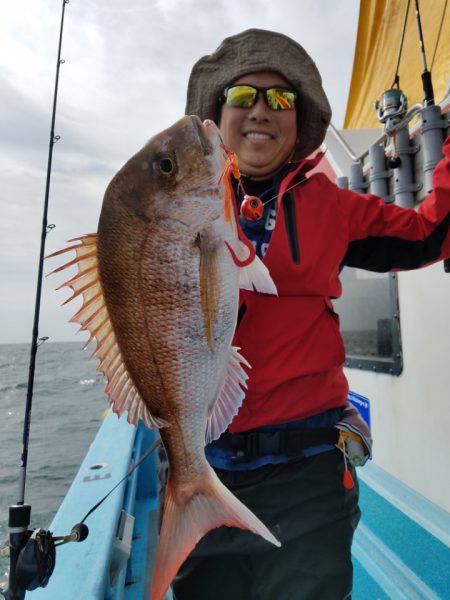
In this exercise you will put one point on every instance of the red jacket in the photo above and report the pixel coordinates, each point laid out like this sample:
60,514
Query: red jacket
293,341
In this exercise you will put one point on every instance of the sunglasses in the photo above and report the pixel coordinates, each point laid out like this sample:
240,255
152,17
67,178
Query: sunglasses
246,96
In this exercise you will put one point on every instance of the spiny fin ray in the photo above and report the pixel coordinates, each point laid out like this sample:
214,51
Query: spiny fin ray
230,397
93,317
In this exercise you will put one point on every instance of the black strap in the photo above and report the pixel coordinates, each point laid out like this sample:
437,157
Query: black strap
253,444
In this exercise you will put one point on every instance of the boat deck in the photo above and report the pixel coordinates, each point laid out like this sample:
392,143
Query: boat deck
400,551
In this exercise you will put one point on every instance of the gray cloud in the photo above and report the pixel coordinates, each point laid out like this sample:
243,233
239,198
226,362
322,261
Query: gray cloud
124,79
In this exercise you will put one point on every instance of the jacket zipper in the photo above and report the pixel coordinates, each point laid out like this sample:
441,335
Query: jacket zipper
291,226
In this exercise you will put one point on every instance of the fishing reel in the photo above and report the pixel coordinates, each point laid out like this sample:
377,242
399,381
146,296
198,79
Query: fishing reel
32,553
35,561
391,110
394,105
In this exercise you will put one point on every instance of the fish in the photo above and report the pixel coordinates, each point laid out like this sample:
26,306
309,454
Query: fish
159,282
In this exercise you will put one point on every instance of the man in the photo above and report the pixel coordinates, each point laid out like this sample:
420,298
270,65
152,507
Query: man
279,456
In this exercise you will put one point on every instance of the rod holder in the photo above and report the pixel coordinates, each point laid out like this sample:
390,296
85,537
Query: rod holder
357,182
342,182
432,130
404,186
378,174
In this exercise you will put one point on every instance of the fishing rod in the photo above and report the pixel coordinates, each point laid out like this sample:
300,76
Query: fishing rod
426,74
32,552
26,548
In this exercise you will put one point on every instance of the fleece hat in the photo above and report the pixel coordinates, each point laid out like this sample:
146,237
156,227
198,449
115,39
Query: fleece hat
256,50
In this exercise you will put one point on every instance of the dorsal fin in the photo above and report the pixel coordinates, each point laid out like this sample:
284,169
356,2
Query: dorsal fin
93,316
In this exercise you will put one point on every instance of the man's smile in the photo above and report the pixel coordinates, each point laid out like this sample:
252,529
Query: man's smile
258,136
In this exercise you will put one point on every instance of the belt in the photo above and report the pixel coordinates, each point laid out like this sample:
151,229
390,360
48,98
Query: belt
250,445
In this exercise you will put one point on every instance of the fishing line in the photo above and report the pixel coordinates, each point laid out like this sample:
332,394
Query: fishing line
155,444
396,76
286,190
439,34
80,531
289,188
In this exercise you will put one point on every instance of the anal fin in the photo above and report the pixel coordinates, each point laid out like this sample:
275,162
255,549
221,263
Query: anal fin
230,397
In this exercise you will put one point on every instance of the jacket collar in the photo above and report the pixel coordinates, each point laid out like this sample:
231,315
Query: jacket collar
300,170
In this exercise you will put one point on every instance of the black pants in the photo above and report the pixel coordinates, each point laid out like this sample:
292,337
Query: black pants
306,507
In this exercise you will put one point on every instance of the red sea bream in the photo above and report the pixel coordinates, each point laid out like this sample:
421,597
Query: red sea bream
160,285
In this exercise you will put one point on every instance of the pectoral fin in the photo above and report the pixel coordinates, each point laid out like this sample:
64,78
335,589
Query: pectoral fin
209,286
253,273
256,277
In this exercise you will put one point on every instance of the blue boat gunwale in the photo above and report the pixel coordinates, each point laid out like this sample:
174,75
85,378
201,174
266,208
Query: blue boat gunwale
82,569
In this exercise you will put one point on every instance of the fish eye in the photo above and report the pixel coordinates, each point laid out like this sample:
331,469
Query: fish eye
166,164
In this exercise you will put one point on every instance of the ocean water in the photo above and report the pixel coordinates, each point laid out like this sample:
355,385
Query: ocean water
68,403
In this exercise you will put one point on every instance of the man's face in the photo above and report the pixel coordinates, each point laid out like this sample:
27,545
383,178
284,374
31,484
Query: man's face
263,139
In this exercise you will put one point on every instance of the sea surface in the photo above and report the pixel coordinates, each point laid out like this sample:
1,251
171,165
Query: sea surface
68,404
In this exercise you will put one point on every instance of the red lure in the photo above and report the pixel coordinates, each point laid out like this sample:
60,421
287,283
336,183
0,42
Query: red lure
231,167
252,208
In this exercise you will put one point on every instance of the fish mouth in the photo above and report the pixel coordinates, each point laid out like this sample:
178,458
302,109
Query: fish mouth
205,143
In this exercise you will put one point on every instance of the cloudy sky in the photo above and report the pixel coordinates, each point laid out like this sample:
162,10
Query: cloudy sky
124,79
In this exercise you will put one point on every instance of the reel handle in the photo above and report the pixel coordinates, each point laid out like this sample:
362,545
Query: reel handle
79,532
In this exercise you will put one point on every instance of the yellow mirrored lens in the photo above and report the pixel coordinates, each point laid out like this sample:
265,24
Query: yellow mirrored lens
279,99
241,96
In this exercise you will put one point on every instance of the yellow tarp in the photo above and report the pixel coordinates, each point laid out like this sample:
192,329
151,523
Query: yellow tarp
380,28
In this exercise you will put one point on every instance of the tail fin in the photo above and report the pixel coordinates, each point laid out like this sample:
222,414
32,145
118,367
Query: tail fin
186,520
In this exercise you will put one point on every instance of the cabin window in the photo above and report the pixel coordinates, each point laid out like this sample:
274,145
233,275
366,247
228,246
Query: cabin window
369,319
